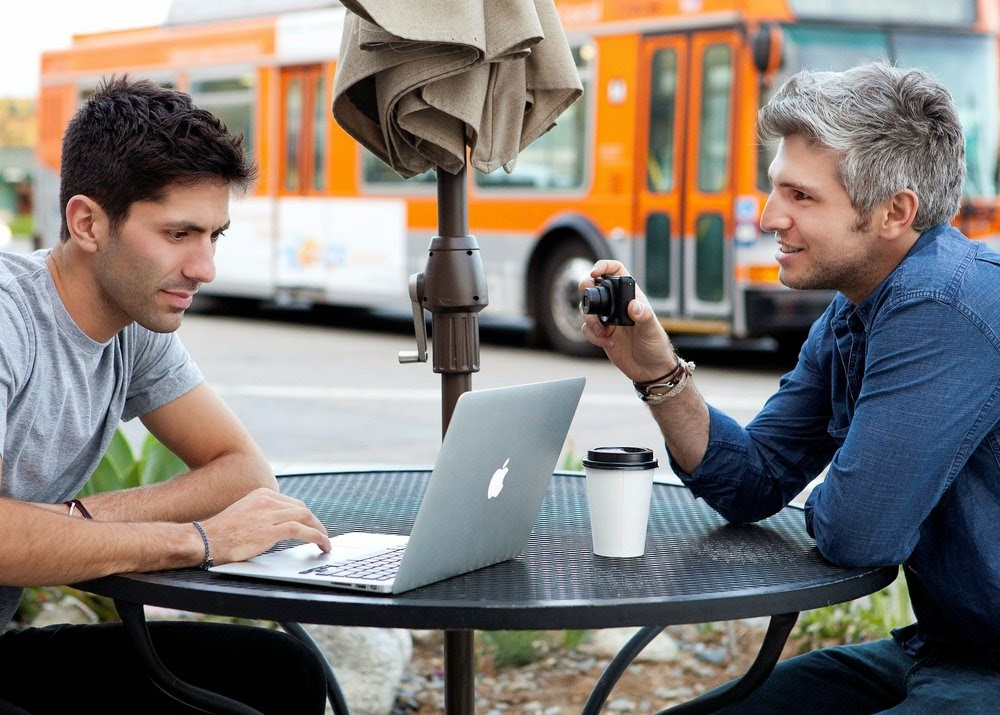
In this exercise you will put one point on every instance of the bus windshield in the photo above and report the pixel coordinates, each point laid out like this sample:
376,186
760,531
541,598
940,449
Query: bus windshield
966,64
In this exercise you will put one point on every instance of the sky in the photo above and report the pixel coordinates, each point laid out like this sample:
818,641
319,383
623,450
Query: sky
38,25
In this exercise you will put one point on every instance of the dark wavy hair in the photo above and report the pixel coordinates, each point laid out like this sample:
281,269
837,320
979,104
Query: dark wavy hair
133,138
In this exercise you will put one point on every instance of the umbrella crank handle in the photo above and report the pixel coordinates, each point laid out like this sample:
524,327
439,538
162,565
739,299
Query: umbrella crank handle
419,325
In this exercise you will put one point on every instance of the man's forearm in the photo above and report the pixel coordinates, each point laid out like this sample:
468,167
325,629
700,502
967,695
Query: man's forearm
684,422
197,494
42,548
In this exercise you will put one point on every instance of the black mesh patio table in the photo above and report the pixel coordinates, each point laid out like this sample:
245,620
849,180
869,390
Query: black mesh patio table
696,569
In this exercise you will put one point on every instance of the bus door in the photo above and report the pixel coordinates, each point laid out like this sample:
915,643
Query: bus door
301,163
687,259
344,250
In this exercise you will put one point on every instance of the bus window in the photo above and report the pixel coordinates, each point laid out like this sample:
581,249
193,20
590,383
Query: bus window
713,143
557,159
304,130
834,49
657,283
376,171
230,98
818,48
662,119
930,12
948,57
293,133
710,259
320,141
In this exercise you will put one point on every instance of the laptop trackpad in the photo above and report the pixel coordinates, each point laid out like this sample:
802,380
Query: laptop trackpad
346,546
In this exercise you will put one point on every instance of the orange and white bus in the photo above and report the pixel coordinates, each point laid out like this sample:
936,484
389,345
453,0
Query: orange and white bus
657,164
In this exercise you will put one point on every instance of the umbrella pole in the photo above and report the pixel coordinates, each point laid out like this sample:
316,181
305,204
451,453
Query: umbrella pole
454,291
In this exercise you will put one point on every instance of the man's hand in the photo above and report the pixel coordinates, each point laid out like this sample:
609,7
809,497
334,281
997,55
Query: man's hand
643,351
258,521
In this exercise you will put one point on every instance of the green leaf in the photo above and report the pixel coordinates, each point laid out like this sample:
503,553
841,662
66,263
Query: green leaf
119,455
119,468
158,463
113,471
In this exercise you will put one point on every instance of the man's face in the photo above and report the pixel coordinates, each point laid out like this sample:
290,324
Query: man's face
149,271
820,244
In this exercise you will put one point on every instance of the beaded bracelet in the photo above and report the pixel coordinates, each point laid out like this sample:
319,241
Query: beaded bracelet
208,562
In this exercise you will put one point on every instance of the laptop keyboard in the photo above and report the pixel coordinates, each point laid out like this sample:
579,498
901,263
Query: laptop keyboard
377,567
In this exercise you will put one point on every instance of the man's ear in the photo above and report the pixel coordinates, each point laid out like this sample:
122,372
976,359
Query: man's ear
900,211
86,222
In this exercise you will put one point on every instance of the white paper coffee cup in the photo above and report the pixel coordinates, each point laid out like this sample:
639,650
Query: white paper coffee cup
619,488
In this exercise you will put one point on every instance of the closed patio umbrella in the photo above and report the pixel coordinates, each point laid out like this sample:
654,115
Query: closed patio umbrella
419,81
424,84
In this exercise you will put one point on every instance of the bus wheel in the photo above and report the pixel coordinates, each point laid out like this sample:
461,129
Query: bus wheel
558,317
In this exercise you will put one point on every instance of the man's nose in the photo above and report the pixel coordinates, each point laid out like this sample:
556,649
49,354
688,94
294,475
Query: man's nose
773,217
200,265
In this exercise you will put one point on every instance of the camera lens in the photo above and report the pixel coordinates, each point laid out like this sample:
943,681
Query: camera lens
597,300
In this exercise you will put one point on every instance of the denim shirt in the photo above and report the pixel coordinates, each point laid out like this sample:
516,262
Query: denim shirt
900,396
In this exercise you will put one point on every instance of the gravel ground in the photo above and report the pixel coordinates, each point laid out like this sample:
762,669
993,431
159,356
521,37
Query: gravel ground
682,663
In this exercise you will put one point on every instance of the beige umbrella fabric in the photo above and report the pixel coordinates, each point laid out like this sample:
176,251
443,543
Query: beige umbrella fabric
420,80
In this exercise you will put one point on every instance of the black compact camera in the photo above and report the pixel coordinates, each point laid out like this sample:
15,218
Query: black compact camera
609,299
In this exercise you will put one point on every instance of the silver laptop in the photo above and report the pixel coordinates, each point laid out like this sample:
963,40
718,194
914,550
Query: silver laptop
489,480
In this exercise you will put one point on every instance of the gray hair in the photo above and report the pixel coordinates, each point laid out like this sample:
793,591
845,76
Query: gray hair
895,129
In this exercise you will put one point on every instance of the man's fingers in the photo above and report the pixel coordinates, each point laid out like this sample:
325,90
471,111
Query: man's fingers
606,267
597,333
305,533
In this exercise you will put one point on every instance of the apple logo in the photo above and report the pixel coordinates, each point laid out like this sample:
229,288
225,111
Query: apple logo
496,481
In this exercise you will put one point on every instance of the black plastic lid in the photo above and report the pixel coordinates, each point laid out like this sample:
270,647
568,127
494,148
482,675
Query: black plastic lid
620,458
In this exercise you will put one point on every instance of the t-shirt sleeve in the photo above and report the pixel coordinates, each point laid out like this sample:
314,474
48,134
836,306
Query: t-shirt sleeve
15,356
162,371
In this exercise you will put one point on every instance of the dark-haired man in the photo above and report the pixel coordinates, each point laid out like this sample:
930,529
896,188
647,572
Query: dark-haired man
87,339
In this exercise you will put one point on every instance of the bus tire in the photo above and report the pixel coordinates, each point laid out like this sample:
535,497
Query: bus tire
557,314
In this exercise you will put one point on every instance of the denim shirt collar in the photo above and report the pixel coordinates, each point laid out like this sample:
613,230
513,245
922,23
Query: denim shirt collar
865,308
851,322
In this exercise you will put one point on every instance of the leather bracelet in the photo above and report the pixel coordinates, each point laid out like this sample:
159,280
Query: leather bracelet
77,505
673,382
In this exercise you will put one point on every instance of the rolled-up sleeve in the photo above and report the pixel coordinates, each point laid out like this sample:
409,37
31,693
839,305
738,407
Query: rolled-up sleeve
750,473
889,443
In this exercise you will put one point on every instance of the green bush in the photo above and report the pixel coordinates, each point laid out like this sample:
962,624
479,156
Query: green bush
120,468
572,463
864,619
22,225
512,649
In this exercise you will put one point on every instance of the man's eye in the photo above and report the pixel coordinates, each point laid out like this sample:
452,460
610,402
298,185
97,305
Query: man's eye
217,236
800,196
178,235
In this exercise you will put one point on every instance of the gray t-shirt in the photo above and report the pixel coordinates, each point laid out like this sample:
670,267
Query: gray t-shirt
63,395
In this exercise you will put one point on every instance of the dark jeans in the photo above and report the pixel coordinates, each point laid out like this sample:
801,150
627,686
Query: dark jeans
875,678
94,668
